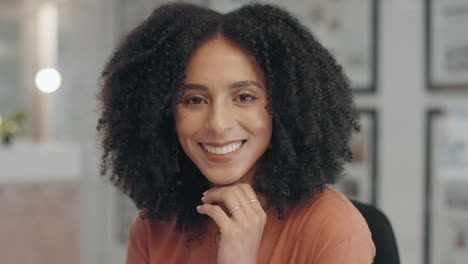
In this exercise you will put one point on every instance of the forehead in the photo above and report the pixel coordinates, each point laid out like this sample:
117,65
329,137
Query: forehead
219,60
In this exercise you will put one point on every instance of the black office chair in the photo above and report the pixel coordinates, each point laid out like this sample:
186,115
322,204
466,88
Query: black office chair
382,234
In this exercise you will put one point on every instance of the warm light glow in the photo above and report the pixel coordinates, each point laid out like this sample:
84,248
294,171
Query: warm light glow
48,80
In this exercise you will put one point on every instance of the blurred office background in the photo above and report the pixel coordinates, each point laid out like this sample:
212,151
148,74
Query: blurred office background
408,64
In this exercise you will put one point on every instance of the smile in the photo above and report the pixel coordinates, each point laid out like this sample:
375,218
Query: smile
223,150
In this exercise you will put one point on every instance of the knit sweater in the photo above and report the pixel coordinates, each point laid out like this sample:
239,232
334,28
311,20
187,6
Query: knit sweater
326,229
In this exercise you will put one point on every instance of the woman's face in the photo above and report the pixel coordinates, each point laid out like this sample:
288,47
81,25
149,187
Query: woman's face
221,120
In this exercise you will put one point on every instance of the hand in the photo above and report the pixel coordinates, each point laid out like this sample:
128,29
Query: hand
241,231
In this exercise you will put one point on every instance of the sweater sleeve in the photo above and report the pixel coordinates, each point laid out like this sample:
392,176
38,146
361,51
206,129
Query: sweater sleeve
137,250
354,250
334,232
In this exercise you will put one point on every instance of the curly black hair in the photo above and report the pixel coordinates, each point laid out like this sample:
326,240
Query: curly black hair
309,97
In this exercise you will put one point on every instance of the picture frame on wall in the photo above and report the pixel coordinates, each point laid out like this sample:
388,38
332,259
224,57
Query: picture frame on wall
348,29
360,178
447,45
446,189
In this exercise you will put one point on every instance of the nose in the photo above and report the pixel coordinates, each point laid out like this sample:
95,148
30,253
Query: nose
221,118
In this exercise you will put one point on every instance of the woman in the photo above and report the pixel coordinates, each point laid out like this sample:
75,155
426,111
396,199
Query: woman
245,111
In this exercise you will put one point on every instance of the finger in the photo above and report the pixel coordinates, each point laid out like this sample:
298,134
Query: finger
231,197
251,195
217,214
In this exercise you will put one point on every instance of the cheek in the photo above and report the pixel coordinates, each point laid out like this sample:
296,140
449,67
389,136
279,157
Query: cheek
187,125
261,124
184,125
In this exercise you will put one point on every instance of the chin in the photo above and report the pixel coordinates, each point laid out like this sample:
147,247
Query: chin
225,179
228,175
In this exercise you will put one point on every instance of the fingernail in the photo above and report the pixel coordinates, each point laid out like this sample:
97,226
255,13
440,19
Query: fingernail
203,198
205,192
198,207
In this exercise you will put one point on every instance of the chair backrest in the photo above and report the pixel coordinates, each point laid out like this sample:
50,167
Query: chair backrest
382,234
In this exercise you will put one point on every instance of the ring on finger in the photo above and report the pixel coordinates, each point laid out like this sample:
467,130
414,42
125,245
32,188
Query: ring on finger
233,209
255,200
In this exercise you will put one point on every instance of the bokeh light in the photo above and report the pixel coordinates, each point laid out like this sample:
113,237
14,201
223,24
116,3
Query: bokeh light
48,80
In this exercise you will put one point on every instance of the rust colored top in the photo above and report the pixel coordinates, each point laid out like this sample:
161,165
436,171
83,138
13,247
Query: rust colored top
328,229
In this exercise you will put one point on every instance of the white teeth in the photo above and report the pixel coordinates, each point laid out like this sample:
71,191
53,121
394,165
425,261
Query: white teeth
224,150
211,149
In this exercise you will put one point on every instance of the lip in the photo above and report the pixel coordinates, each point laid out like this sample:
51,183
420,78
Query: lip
222,144
222,157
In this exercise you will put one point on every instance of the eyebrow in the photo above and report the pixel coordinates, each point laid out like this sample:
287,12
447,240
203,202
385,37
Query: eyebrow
194,86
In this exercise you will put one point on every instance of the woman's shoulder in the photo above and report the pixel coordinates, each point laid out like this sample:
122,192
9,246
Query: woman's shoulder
332,223
142,226
150,239
331,229
333,209
331,202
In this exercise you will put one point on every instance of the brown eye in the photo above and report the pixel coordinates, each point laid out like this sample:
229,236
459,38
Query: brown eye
246,98
193,100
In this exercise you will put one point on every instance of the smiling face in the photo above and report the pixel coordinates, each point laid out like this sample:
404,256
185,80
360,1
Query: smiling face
221,121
